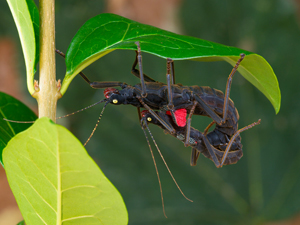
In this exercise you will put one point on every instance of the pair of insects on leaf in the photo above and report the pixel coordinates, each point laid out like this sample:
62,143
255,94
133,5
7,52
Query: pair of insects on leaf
167,106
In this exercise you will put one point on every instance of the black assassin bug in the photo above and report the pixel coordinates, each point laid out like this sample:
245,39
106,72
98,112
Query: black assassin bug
175,98
154,95
214,145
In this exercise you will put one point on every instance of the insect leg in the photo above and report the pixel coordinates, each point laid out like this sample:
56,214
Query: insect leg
139,57
81,73
96,84
228,85
139,113
172,72
167,126
207,109
211,151
188,125
194,157
107,84
209,126
136,72
234,137
170,80
168,75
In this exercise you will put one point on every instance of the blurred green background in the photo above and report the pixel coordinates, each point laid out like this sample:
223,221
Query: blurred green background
264,185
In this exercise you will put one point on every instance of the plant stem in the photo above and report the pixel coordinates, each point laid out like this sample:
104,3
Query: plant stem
48,94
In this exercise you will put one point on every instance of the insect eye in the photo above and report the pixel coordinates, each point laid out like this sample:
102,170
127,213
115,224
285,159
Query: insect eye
149,119
115,101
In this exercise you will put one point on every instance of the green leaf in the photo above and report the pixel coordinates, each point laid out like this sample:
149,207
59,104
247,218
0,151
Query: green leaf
55,181
107,32
12,109
26,16
21,223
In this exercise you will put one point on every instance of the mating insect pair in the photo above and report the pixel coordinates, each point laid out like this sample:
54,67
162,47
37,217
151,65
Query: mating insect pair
181,100
174,101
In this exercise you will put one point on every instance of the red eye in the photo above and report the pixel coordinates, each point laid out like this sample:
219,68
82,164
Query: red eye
108,91
144,113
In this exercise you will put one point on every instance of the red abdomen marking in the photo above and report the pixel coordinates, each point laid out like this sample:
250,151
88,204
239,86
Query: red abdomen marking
180,116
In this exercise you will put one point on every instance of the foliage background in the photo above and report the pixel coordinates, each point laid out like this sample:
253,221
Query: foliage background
263,186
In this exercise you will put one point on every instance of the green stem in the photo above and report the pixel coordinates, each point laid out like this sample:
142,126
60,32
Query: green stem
48,94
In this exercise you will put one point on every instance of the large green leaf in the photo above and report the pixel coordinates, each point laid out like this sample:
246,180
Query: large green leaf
26,17
55,181
107,32
13,109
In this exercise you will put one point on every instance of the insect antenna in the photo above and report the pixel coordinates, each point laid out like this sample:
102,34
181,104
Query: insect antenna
157,173
80,110
15,121
96,123
166,163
